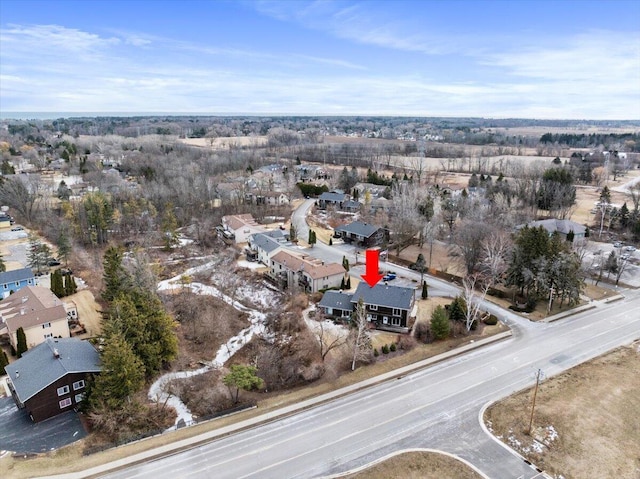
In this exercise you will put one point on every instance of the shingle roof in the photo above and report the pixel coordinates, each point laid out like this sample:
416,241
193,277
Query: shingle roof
31,306
359,228
313,267
39,367
331,196
552,225
384,295
16,275
336,300
265,242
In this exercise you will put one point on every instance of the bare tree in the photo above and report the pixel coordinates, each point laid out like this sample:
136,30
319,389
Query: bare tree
473,298
494,256
360,339
469,240
23,194
327,340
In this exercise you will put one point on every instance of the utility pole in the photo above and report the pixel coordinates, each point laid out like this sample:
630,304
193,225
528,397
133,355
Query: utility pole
533,404
550,300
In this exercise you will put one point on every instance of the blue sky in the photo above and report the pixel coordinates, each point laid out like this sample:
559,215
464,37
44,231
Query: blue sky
561,59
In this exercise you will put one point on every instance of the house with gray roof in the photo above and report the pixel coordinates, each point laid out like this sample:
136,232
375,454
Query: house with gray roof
264,245
332,198
336,304
563,227
390,308
15,280
387,307
50,379
362,234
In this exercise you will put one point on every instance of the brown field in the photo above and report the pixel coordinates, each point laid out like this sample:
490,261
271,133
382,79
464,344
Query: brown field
223,143
418,465
538,131
586,421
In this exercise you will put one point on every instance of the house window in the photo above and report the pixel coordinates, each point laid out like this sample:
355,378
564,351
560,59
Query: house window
4,286
346,313
373,307
78,385
46,325
66,402
395,321
17,283
48,335
79,398
396,312
63,390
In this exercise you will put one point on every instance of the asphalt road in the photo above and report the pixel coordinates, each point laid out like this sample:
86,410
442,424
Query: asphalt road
435,408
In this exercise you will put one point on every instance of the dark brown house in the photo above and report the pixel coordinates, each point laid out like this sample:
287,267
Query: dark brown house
51,378
362,234
387,307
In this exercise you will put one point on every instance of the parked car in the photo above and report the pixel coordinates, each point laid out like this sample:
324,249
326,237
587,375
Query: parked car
17,228
630,248
389,277
53,262
617,244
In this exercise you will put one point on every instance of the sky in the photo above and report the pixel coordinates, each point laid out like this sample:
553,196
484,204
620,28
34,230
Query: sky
562,59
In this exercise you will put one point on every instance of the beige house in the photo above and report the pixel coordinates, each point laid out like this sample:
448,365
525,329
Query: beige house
241,227
38,312
287,269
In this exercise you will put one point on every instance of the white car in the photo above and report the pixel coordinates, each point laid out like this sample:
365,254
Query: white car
630,248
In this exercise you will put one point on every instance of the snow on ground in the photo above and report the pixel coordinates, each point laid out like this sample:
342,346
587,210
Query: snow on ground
158,391
243,263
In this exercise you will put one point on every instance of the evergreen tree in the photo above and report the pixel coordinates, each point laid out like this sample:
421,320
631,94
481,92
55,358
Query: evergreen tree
122,373
114,277
3,267
425,290
440,323
570,236
293,234
39,253
22,342
70,286
57,286
64,247
4,361
458,309
605,195
169,227
345,263
242,377
624,216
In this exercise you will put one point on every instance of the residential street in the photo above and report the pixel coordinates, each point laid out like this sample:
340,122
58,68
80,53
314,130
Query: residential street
436,408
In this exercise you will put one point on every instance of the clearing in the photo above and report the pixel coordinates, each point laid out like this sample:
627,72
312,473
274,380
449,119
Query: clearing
586,421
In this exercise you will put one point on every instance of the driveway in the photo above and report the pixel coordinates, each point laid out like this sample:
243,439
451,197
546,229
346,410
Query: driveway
18,434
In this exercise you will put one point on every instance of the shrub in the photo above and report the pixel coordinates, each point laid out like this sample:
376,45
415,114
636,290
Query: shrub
392,348
385,349
491,320
406,342
375,352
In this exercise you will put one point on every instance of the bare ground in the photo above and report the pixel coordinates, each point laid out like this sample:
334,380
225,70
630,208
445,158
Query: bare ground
418,465
586,420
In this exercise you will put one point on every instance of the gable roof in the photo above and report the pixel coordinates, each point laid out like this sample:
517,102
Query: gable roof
561,226
16,275
313,267
359,228
265,242
332,196
235,222
31,306
336,300
384,295
39,367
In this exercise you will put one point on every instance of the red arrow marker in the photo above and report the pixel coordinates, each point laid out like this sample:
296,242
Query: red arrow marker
372,274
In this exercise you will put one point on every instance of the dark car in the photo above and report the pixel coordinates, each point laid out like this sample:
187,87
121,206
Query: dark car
389,277
17,228
53,262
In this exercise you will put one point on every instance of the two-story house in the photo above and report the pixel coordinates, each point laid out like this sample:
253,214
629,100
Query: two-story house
51,378
38,312
362,234
241,227
287,269
15,280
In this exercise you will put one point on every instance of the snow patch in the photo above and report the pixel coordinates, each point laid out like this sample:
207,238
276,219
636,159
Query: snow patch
159,390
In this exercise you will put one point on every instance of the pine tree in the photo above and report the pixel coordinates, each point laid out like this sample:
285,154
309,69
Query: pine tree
4,361
70,286
22,342
114,277
122,373
425,290
64,247
169,227
440,323
457,309
242,377
3,267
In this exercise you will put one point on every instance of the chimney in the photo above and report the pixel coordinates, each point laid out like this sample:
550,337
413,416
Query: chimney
25,299
21,311
56,354
17,374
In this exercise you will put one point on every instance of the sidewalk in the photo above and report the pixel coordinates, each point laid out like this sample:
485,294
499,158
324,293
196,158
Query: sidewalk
194,441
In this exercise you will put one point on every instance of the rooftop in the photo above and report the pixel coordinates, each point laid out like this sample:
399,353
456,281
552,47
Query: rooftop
384,295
